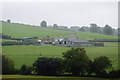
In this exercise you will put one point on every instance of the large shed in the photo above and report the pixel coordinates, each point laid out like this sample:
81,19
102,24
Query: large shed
73,41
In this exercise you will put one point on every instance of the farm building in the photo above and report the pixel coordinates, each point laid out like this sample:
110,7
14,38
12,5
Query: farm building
72,41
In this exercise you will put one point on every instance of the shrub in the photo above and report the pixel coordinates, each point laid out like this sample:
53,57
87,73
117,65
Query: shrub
7,65
24,70
48,66
114,74
101,65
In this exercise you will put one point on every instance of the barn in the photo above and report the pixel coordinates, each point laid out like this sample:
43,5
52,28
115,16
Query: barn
72,41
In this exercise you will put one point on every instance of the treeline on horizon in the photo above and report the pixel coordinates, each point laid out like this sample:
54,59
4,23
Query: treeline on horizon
93,28
74,62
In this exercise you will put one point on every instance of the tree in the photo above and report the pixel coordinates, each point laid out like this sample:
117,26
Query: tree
5,36
76,61
9,21
118,31
24,70
74,28
107,30
99,29
43,24
7,65
101,65
94,28
90,69
82,29
114,74
55,26
48,66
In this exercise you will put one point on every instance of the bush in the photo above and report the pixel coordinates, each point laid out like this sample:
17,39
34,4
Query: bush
25,70
48,66
7,66
101,65
114,74
5,36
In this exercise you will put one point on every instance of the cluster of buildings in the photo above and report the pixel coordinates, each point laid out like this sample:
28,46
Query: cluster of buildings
71,41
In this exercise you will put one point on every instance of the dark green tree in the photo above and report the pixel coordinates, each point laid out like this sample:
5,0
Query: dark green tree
94,28
107,30
76,61
9,21
7,65
5,36
24,70
55,26
118,29
48,66
43,24
82,29
114,74
102,65
90,69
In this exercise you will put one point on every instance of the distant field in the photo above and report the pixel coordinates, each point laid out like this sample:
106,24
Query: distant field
28,54
33,77
21,30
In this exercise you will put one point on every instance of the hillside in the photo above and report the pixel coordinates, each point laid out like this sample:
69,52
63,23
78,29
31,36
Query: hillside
20,30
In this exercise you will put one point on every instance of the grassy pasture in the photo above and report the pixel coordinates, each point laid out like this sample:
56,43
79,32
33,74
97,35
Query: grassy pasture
20,30
28,54
36,77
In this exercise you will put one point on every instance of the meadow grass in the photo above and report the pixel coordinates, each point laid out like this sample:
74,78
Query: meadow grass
20,30
28,54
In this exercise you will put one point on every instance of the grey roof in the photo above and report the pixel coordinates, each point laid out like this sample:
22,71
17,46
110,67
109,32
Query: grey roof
58,38
28,37
74,40
79,41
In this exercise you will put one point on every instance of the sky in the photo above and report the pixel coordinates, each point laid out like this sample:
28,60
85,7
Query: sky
62,13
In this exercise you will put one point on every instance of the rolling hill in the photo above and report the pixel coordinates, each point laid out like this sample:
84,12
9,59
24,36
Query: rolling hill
20,30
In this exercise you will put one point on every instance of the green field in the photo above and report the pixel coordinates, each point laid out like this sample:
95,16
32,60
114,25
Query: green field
20,30
35,77
28,54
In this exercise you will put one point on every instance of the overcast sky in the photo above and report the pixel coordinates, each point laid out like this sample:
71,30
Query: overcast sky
62,13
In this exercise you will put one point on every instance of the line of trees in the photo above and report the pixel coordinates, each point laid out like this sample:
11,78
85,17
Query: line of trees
94,28
74,61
